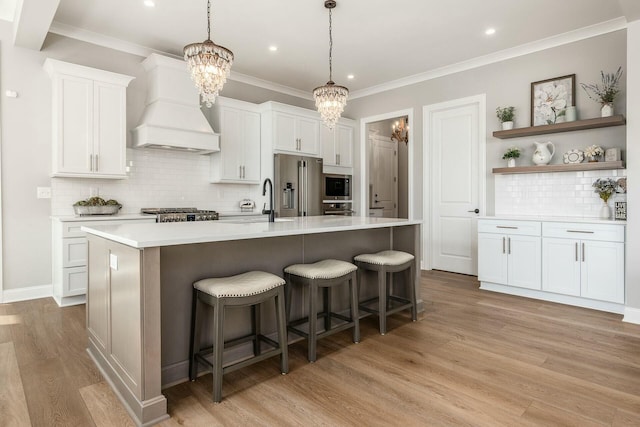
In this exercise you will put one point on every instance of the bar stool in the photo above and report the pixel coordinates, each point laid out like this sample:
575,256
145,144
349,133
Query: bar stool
246,289
323,274
387,263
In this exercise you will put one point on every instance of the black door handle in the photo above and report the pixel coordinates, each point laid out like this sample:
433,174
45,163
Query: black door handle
476,210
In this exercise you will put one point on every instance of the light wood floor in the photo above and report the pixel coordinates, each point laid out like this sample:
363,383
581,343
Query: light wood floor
474,358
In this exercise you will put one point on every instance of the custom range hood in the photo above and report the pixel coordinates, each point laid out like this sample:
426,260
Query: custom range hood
172,118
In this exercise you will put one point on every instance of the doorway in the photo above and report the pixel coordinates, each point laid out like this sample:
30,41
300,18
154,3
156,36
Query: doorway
455,184
386,180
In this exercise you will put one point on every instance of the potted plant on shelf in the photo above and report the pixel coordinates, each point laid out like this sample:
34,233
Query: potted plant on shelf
606,93
511,155
506,116
605,187
593,152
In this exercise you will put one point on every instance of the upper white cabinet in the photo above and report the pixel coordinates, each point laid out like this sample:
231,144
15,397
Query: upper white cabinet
238,124
509,253
89,121
337,147
291,129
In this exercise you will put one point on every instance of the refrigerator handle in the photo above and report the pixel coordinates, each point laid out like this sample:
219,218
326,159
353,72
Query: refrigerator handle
300,188
305,189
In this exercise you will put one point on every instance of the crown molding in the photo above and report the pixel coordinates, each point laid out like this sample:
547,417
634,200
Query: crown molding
514,52
525,49
143,51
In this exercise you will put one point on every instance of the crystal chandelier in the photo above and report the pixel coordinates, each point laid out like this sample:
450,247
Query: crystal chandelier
209,64
330,98
400,131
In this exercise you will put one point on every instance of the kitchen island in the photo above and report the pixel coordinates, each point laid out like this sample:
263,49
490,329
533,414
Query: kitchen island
140,284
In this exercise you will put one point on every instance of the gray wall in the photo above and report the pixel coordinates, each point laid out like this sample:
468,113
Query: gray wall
26,141
509,83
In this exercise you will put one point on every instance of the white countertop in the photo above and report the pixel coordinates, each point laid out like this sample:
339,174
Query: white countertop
144,235
554,219
83,218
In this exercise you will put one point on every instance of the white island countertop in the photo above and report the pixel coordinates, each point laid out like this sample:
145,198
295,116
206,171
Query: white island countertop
182,233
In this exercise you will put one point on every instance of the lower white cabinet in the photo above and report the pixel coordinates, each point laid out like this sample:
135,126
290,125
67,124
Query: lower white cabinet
508,257
585,260
69,248
573,263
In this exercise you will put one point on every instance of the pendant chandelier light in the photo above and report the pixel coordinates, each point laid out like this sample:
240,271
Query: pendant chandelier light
330,98
209,64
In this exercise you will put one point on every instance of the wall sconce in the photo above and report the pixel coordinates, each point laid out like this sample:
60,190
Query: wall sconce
401,131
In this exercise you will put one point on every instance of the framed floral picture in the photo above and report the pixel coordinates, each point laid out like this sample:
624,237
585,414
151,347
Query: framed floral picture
550,98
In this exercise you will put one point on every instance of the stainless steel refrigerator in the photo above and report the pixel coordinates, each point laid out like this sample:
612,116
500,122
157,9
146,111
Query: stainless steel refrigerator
298,185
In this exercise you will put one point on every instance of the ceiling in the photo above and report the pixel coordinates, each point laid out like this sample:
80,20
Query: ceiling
377,41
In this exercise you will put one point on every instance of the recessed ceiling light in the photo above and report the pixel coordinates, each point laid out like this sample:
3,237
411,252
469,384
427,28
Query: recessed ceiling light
490,31
351,76
273,48
149,3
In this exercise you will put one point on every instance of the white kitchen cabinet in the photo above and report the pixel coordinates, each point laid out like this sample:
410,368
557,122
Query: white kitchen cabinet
506,256
290,129
238,160
585,260
89,121
70,253
337,147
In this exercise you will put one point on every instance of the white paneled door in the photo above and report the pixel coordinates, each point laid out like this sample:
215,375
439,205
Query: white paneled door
454,135
384,180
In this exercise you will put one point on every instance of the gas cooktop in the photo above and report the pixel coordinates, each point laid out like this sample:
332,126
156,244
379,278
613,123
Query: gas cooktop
180,214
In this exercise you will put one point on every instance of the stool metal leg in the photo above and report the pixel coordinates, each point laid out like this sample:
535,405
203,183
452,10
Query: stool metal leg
282,331
382,300
218,349
313,318
255,318
194,344
327,308
412,293
355,317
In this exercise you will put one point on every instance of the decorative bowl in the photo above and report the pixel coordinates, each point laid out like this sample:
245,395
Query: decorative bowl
96,210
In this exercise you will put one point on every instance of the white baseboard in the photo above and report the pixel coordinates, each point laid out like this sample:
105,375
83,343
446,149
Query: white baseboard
631,315
24,294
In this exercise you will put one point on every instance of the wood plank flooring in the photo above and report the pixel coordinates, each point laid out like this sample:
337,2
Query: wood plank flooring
474,358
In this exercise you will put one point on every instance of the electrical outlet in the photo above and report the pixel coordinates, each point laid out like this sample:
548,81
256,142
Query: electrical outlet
43,192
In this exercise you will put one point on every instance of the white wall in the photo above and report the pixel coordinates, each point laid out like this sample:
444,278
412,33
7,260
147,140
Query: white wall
633,169
26,154
509,83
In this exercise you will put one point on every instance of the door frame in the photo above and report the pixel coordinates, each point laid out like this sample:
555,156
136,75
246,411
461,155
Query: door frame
427,157
364,156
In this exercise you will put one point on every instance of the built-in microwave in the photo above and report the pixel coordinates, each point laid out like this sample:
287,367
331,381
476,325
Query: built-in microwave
336,187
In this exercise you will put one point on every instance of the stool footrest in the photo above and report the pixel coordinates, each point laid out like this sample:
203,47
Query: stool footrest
406,304
348,323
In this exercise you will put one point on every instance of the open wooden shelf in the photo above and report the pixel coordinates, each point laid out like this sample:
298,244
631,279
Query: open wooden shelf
599,122
573,167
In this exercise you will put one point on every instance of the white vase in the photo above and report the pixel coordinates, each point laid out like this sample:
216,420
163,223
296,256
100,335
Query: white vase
605,211
507,125
606,110
570,114
511,163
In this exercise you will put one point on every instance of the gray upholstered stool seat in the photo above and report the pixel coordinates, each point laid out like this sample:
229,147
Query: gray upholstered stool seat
386,263
323,275
246,289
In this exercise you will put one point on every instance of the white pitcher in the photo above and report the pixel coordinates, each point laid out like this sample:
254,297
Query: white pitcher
542,156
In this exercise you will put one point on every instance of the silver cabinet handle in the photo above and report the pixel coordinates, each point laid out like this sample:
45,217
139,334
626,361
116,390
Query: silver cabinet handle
338,158
576,251
91,162
582,251
97,164
239,171
503,226
476,210
509,245
503,242
580,231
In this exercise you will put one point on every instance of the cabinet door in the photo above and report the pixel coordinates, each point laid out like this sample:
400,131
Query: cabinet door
231,144
73,123
492,258
109,129
525,261
561,266
603,271
284,132
74,252
327,139
251,150
308,132
344,145
74,281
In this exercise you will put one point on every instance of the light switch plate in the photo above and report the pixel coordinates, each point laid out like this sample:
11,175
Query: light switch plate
113,261
43,192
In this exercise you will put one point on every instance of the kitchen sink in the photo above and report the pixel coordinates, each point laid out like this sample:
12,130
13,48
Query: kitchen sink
254,219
